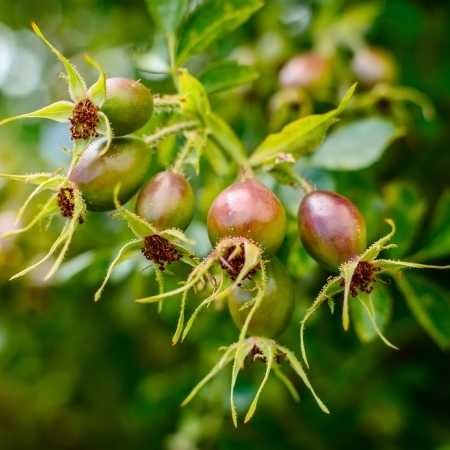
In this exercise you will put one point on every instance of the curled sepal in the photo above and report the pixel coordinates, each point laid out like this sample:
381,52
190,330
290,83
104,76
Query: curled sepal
392,265
130,246
382,244
75,207
367,302
43,182
331,288
97,92
255,349
104,128
77,85
59,112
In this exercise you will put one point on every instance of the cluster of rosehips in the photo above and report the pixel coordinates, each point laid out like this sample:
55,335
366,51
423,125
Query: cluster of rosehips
246,224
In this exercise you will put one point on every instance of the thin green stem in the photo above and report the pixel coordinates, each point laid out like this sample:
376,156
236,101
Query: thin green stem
170,130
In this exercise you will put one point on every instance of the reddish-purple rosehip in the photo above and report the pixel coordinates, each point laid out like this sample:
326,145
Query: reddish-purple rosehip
167,201
275,310
248,209
125,163
128,105
308,70
331,228
374,65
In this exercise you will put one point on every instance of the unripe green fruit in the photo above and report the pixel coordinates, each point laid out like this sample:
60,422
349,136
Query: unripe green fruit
374,65
167,201
248,209
308,70
331,228
128,105
126,163
275,310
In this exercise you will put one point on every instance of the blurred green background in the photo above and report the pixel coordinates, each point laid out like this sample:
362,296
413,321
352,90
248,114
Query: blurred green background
79,375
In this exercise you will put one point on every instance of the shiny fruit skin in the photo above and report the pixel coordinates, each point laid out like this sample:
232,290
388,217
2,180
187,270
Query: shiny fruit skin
275,311
308,70
374,65
248,209
128,105
166,201
126,163
331,228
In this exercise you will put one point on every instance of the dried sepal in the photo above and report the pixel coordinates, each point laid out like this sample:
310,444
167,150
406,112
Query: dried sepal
257,349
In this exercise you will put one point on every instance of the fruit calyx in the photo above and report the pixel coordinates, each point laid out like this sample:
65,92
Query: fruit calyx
66,203
363,279
84,120
233,261
160,251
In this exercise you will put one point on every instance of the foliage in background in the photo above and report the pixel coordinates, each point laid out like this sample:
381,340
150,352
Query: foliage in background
104,375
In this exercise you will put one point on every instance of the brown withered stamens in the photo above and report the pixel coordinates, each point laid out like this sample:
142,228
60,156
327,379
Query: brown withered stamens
160,251
66,203
84,120
234,265
363,278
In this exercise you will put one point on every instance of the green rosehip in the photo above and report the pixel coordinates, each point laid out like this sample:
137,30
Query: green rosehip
128,105
275,310
96,175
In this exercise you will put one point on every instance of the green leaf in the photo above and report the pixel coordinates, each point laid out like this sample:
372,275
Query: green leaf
437,240
59,112
382,306
430,304
167,13
298,137
224,137
355,145
227,75
210,21
194,102
77,85
406,206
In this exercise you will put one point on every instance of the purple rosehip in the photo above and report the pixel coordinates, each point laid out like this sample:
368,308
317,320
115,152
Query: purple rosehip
248,209
374,65
331,228
308,70
167,201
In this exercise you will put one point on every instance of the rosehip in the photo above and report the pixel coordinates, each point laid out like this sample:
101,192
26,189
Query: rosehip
308,70
248,209
126,163
128,105
374,65
331,228
166,201
275,310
